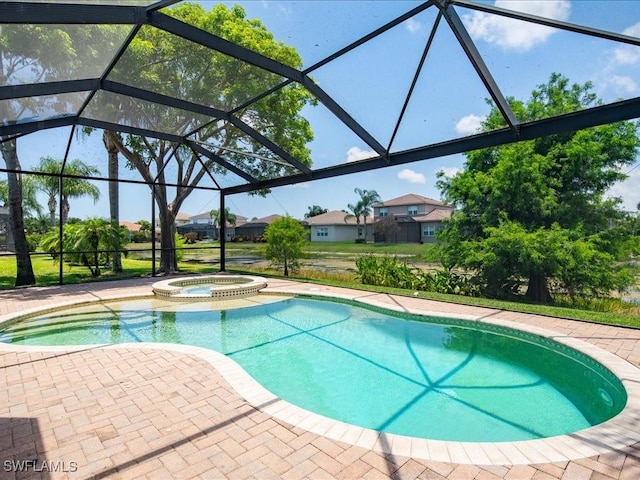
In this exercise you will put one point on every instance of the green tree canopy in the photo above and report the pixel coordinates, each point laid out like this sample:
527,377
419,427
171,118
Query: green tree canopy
286,238
536,210
36,53
175,67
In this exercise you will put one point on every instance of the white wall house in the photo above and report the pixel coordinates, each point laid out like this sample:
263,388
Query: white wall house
417,218
334,226
202,219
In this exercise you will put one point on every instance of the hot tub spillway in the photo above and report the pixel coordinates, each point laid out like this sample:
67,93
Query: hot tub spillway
210,287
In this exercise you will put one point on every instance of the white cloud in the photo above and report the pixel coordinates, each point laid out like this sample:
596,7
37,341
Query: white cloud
625,84
354,154
412,176
413,25
513,34
628,54
450,172
469,125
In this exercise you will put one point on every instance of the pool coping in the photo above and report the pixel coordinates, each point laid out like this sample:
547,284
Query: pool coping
621,431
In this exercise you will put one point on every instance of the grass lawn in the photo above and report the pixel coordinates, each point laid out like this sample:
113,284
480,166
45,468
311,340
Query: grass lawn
47,271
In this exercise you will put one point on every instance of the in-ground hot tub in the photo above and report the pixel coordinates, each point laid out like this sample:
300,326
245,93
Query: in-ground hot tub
209,287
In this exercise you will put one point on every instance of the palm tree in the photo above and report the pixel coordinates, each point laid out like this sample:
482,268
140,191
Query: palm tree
368,198
229,217
93,235
71,187
314,211
30,205
114,189
356,212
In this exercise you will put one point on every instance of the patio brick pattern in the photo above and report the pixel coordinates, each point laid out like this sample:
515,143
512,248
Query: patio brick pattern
123,413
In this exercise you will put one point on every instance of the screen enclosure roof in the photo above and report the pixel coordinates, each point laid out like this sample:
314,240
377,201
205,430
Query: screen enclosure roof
393,77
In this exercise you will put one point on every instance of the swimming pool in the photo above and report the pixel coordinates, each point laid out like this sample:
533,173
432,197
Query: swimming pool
440,379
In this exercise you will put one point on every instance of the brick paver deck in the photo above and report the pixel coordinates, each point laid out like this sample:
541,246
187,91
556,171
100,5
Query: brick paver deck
145,412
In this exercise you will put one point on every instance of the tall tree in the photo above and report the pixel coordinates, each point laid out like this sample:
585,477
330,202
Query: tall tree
178,68
536,210
114,191
71,187
368,198
355,210
32,54
24,270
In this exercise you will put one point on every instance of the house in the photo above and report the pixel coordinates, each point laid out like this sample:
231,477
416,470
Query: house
202,219
6,233
255,228
334,226
416,219
182,218
204,226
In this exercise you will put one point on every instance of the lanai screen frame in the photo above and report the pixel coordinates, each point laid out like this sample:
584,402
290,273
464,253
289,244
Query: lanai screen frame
50,12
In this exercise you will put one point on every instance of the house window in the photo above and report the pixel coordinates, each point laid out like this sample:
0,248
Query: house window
322,232
383,212
412,210
429,231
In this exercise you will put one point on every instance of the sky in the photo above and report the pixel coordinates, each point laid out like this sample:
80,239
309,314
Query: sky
372,82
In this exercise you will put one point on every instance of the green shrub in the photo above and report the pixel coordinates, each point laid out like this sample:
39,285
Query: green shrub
391,272
33,241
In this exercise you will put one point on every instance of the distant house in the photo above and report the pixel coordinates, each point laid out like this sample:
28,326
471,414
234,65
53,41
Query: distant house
6,233
417,218
334,226
131,227
205,227
182,218
201,219
255,228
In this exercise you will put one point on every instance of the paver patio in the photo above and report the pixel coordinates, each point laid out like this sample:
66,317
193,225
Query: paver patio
149,412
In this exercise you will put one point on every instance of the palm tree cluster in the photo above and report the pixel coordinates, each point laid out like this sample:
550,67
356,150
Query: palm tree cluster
55,187
362,208
65,188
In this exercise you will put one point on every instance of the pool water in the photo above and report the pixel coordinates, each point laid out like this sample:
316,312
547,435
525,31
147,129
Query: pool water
437,379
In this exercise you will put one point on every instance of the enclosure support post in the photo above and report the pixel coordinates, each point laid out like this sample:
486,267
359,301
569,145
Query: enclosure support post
153,230
223,233
60,232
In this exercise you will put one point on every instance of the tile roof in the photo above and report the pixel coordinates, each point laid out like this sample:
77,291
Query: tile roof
434,215
268,220
334,217
132,227
409,199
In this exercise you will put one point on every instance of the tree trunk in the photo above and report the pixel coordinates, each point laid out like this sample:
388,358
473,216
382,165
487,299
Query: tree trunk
24,275
64,210
168,258
53,206
114,192
537,289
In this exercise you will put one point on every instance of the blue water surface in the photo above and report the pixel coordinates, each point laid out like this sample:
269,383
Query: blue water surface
437,379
